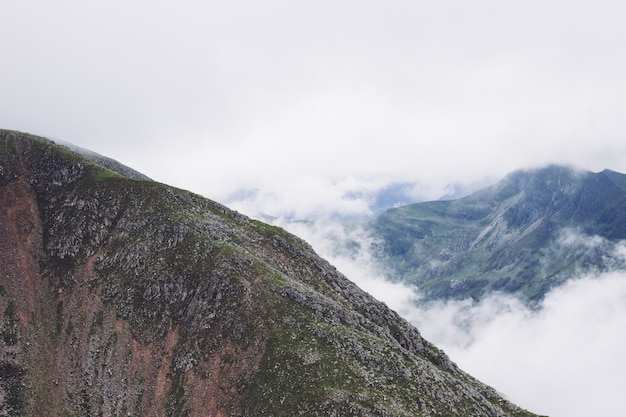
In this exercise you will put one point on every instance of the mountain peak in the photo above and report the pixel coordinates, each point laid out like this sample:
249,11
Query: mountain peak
122,296
509,236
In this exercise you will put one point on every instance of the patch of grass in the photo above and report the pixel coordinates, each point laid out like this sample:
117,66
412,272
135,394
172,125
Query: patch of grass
58,319
4,146
97,174
97,322
175,403
12,382
265,229
303,373
394,330
9,334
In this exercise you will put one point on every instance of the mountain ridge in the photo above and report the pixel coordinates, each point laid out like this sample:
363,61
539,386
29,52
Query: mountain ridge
122,296
509,236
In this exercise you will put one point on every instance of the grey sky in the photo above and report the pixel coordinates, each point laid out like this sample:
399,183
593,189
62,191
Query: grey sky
217,96
305,105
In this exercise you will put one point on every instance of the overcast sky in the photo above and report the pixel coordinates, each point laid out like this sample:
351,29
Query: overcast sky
309,108
332,96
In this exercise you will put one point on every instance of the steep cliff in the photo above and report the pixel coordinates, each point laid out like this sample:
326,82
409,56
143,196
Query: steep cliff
121,296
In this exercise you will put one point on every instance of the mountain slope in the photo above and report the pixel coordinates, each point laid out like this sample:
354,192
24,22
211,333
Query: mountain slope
121,296
524,235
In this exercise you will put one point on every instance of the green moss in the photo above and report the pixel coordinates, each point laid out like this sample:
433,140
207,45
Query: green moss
9,312
97,174
139,401
96,324
9,334
265,229
69,329
394,330
4,146
58,319
12,381
175,405
303,372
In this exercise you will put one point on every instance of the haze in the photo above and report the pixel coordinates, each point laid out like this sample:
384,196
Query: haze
307,110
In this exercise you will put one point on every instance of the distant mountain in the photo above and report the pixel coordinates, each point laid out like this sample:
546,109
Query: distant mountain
122,296
524,235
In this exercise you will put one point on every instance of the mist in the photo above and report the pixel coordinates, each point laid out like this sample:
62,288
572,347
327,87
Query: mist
563,358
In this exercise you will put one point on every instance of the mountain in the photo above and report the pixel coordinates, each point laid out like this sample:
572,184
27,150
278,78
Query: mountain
526,234
107,162
122,296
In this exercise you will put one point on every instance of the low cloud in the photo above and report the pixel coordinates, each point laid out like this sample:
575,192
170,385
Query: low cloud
571,237
563,359
301,197
345,246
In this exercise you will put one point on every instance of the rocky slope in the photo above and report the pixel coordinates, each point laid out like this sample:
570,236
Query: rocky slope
525,235
125,297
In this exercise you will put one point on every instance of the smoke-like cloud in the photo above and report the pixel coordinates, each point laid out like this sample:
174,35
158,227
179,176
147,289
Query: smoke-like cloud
562,359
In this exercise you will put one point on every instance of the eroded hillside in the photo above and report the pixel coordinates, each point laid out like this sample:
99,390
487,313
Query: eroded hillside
123,296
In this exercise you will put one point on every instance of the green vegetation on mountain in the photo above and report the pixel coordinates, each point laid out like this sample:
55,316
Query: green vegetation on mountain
524,235
122,296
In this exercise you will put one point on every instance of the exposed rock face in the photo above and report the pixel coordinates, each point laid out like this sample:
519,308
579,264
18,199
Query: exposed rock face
125,297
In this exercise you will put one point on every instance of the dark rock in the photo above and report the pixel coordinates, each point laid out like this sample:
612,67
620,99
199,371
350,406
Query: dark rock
122,296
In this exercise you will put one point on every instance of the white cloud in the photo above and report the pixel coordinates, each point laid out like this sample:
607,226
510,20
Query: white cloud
564,360
573,238
304,198
345,247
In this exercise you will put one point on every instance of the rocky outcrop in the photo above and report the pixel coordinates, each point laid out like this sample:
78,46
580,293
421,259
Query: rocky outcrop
122,296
